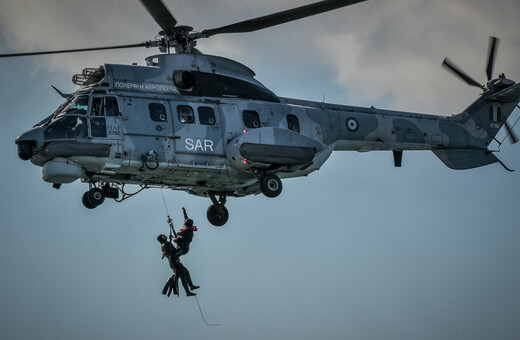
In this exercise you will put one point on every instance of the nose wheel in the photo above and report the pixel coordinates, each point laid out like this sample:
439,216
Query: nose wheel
217,213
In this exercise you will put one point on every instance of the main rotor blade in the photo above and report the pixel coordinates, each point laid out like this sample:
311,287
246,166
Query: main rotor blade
161,15
143,44
492,51
447,63
280,17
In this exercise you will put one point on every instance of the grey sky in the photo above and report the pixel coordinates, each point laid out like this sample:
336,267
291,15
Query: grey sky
357,250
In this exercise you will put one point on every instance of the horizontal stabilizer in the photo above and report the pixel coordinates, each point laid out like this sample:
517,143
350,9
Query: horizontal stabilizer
509,95
462,159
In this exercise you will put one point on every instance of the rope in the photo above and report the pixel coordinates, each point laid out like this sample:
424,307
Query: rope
172,231
202,315
164,201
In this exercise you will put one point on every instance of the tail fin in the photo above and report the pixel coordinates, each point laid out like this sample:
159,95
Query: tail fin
482,119
489,113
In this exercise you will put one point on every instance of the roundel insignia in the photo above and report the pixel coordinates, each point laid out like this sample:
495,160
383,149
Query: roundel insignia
352,124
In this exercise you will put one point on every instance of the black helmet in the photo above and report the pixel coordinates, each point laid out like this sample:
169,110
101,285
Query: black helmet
162,238
188,222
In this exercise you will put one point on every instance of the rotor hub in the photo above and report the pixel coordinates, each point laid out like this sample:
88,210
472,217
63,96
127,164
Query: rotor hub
179,38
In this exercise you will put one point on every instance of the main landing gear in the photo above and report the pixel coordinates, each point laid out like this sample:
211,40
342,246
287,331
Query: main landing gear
96,195
270,184
217,213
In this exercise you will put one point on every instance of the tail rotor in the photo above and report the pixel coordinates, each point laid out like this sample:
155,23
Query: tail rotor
492,52
494,85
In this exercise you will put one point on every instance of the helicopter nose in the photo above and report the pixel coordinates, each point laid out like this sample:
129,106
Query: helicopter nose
29,143
25,150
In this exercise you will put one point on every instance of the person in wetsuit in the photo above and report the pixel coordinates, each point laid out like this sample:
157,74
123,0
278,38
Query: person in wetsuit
185,235
179,270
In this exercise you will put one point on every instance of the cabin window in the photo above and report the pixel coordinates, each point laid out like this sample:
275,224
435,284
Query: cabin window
157,112
293,123
206,115
111,107
185,113
251,119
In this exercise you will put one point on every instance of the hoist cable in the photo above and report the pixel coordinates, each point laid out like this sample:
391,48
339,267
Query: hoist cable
202,315
169,221
164,201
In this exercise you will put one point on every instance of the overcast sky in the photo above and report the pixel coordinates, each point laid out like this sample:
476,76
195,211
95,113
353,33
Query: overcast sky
357,250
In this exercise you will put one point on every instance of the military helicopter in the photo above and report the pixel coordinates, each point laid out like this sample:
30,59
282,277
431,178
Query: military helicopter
203,124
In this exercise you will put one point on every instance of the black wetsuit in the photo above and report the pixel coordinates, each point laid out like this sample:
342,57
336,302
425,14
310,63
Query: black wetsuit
183,240
179,271
185,235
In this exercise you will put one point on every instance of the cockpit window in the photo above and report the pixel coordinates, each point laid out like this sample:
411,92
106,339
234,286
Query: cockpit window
104,106
98,109
98,127
67,127
78,106
111,107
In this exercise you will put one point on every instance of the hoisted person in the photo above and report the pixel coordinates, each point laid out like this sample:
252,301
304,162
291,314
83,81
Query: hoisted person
179,270
184,236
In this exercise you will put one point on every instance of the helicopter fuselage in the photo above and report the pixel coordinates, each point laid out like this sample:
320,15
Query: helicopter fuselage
205,125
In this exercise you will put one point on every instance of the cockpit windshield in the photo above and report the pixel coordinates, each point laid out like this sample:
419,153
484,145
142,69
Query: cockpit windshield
67,127
78,106
69,122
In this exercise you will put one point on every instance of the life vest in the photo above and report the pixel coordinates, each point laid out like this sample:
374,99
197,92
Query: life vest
186,235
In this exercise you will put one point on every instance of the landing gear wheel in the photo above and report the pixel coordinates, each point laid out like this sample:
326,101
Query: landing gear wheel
96,196
270,185
218,216
86,202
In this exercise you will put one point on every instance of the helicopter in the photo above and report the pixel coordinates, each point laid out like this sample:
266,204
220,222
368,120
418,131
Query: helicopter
205,125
